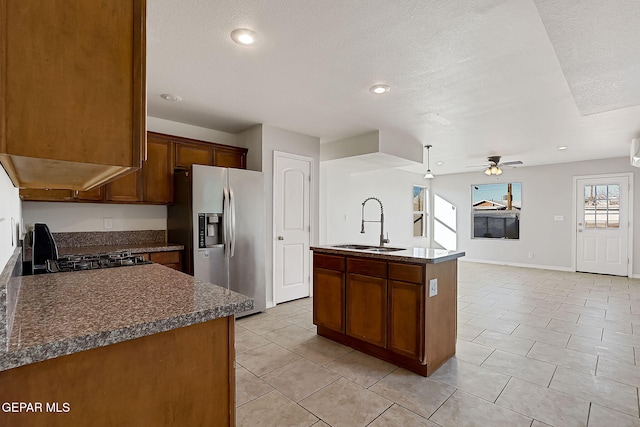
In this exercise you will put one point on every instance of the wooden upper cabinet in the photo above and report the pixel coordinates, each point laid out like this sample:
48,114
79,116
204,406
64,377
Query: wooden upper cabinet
230,157
45,195
157,171
72,110
95,195
126,189
188,154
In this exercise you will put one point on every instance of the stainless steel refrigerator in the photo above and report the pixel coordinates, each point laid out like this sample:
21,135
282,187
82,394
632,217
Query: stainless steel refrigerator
218,215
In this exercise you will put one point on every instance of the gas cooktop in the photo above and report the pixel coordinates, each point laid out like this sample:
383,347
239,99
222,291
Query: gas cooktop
94,261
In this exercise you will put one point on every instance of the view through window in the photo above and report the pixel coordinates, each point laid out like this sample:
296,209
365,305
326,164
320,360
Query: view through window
420,211
602,206
496,210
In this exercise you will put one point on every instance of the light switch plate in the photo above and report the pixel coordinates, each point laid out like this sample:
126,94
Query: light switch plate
433,287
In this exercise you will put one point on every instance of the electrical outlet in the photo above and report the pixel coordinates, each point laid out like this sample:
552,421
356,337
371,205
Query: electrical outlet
530,255
433,287
108,223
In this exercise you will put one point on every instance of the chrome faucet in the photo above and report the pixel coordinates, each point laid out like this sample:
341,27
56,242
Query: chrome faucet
382,239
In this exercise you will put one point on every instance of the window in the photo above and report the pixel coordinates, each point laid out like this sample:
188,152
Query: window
602,206
445,223
496,210
420,211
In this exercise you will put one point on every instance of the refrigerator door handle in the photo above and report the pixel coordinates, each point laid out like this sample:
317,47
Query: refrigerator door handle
226,213
233,222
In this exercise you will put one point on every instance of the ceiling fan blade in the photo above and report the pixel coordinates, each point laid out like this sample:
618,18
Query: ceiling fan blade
478,166
515,162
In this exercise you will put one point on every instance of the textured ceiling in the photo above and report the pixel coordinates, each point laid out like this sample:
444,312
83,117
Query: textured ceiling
598,46
472,78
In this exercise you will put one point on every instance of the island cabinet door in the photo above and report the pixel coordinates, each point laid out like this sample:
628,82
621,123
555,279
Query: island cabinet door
328,292
366,302
406,319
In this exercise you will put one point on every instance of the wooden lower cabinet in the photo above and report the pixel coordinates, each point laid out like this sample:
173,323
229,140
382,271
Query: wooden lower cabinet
385,309
171,259
366,308
328,309
406,309
181,377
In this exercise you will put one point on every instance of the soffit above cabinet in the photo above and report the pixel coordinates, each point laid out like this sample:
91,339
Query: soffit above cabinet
73,110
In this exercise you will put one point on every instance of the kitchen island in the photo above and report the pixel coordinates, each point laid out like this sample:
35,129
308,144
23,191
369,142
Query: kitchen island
397,304
138,345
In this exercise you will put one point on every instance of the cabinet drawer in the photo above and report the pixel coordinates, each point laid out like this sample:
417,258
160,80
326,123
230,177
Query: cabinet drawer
166,257
406,272
367,267
330,262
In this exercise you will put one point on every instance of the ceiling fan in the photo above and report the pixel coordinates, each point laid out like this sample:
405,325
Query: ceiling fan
493,167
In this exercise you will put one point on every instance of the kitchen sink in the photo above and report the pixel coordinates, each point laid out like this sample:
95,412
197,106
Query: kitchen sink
384,249
368,248
356,247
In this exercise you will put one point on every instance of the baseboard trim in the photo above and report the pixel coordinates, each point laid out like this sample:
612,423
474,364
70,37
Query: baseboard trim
517,264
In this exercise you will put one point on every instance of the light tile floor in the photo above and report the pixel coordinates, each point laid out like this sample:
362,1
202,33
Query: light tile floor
535,348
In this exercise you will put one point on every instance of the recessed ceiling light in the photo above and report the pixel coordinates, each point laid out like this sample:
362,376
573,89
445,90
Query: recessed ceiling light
562,147
170,97
244,36
440,163
379,89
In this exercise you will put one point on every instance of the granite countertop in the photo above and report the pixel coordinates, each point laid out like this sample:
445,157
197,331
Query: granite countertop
137,248
64,313
416,255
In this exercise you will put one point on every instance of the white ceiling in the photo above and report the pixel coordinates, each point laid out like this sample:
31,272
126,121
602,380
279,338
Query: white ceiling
515,78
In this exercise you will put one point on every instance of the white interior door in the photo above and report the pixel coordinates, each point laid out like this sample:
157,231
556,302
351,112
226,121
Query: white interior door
602,218
292,226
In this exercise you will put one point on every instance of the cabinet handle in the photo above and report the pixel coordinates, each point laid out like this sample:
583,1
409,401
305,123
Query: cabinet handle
280,238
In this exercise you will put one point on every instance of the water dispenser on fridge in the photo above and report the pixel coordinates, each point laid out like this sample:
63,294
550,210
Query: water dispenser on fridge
210,230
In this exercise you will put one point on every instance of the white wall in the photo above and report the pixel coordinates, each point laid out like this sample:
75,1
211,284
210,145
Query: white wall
343,194
546,191
251,139
169,127
276,139
73,217
10,215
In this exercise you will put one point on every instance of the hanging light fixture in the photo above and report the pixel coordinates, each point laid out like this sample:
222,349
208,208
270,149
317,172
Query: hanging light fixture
493,170
429,174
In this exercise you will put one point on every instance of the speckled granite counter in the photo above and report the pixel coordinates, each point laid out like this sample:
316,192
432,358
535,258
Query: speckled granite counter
417,255
65,313
137,248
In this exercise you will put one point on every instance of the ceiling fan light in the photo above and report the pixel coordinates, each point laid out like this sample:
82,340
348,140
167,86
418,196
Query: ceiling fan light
498,171
487,171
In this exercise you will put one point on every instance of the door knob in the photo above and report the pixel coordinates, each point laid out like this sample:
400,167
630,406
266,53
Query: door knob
280,238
